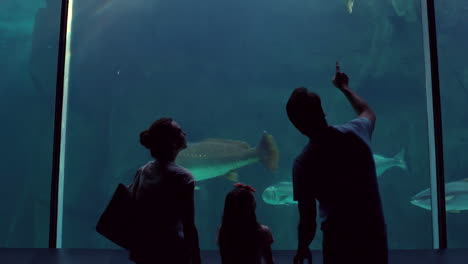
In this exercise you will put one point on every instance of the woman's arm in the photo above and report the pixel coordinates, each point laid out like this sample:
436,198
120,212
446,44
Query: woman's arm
268,240
190,230
269,256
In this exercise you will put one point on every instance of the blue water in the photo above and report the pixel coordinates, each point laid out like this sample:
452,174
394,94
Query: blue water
222,69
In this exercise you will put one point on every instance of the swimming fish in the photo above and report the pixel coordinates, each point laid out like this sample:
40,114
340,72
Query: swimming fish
456,197
279,194
349,5
282,192
92,8
382,164
214,157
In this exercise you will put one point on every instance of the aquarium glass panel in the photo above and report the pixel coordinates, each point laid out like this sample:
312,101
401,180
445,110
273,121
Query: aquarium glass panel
452,18
224,70
28,51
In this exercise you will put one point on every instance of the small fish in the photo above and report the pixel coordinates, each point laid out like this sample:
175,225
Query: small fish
456,197
103,6
279,194
382,164
349,5
211,158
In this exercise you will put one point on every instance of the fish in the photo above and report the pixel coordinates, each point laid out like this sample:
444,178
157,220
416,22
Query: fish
382,164
214,157
282,192
279,194
103,6
91,8
456,197
349,5
401,7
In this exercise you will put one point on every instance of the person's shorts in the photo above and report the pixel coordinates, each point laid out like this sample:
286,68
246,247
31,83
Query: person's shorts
168,251
341,248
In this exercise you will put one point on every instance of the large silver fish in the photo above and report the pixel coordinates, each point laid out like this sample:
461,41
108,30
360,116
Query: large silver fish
456,197
382,164
211,158
279,194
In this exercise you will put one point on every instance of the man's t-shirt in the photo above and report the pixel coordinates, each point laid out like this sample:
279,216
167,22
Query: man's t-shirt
337,169
362,127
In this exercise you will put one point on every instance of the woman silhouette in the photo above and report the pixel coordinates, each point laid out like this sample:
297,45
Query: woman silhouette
164,195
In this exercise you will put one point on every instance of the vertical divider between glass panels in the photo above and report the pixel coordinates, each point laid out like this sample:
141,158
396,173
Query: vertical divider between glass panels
57,163
434,118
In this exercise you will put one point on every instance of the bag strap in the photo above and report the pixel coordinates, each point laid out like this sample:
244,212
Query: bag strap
135,184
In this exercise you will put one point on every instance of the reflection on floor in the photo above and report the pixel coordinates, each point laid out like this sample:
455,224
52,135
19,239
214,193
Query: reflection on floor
104,256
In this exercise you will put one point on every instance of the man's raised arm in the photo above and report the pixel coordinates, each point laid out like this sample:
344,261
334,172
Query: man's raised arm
341,81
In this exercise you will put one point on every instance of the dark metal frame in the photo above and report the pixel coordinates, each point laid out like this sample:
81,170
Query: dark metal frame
437,125
58,126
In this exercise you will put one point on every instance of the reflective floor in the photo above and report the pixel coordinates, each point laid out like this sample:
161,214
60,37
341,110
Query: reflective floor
96,256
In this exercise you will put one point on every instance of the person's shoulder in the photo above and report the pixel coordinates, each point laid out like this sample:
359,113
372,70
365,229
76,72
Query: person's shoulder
264,229
306,156
362,122
147,169
180,170
184,174
305,152
266,234
361,126
352,123
148,164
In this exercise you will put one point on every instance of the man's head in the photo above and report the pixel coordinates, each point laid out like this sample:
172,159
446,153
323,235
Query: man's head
305,112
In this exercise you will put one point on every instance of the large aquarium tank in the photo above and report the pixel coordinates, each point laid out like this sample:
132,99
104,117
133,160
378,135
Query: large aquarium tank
224,70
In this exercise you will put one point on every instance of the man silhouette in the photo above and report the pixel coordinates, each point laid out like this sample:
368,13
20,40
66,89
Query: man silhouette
336,168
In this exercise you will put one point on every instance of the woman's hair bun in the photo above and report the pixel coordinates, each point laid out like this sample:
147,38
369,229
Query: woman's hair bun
145,139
